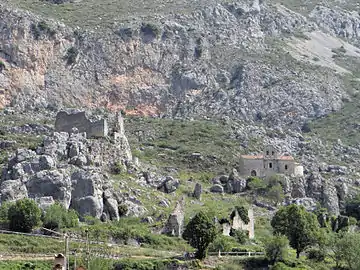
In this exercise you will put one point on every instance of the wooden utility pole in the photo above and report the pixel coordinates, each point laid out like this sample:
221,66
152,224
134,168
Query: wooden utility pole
66,238
87,250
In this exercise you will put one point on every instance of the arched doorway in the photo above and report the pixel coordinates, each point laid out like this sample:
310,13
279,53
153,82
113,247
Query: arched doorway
253,173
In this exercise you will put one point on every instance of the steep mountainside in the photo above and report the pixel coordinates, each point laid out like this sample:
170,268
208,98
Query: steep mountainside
250,60
249,73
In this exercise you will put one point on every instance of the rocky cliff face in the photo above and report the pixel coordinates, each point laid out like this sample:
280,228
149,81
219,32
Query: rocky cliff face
225,59
255,61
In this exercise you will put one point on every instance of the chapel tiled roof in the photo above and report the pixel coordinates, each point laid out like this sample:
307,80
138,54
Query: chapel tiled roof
289,158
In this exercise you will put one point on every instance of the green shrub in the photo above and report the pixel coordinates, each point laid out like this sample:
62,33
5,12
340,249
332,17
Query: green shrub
90,220
339,51
4,212
256,184
2,65
41,28
24,215
117,168
276,248
281,266
71,55
58,217
223,243
316,254
240,236
123,209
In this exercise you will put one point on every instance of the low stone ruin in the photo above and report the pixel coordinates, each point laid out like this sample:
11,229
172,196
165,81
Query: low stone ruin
175,223
238,224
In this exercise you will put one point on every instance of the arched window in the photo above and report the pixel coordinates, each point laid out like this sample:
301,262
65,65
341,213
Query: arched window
253,173
286,167
267,153
270,165
272,153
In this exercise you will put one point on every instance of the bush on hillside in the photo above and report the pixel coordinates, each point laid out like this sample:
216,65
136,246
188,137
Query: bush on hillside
240,236
4,212
315,254
24,215
58,217
223,243
200,232
276,249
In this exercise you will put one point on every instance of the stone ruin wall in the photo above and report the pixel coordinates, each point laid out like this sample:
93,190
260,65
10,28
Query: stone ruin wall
65,122
98,128
238,224
247,165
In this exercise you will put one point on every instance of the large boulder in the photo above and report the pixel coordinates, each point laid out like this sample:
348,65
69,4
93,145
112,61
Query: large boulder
45,202
54,183
134,209
12,190
86,196
217,189
111,206
235,183
56,145
88,206
197,191
169,185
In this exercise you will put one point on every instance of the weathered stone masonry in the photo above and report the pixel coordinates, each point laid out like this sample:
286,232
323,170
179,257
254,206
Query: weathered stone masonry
270,163
65,122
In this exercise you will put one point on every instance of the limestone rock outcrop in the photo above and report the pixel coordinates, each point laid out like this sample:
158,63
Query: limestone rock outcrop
229,184
69,168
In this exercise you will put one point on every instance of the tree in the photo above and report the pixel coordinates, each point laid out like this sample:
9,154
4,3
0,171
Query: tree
24,215
57,217
345,247
276,248
200,232
4,212
276,194
300,226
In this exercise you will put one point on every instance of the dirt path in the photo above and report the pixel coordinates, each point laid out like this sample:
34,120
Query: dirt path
26,257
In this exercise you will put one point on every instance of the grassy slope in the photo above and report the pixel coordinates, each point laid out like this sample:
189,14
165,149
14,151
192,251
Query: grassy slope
344,124
306,6
171,143
94,14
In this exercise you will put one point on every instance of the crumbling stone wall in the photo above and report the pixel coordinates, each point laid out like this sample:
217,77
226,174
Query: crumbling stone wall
175,223
65,122
239,224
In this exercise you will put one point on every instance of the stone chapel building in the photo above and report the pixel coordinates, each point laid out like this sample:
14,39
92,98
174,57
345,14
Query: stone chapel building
269,163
